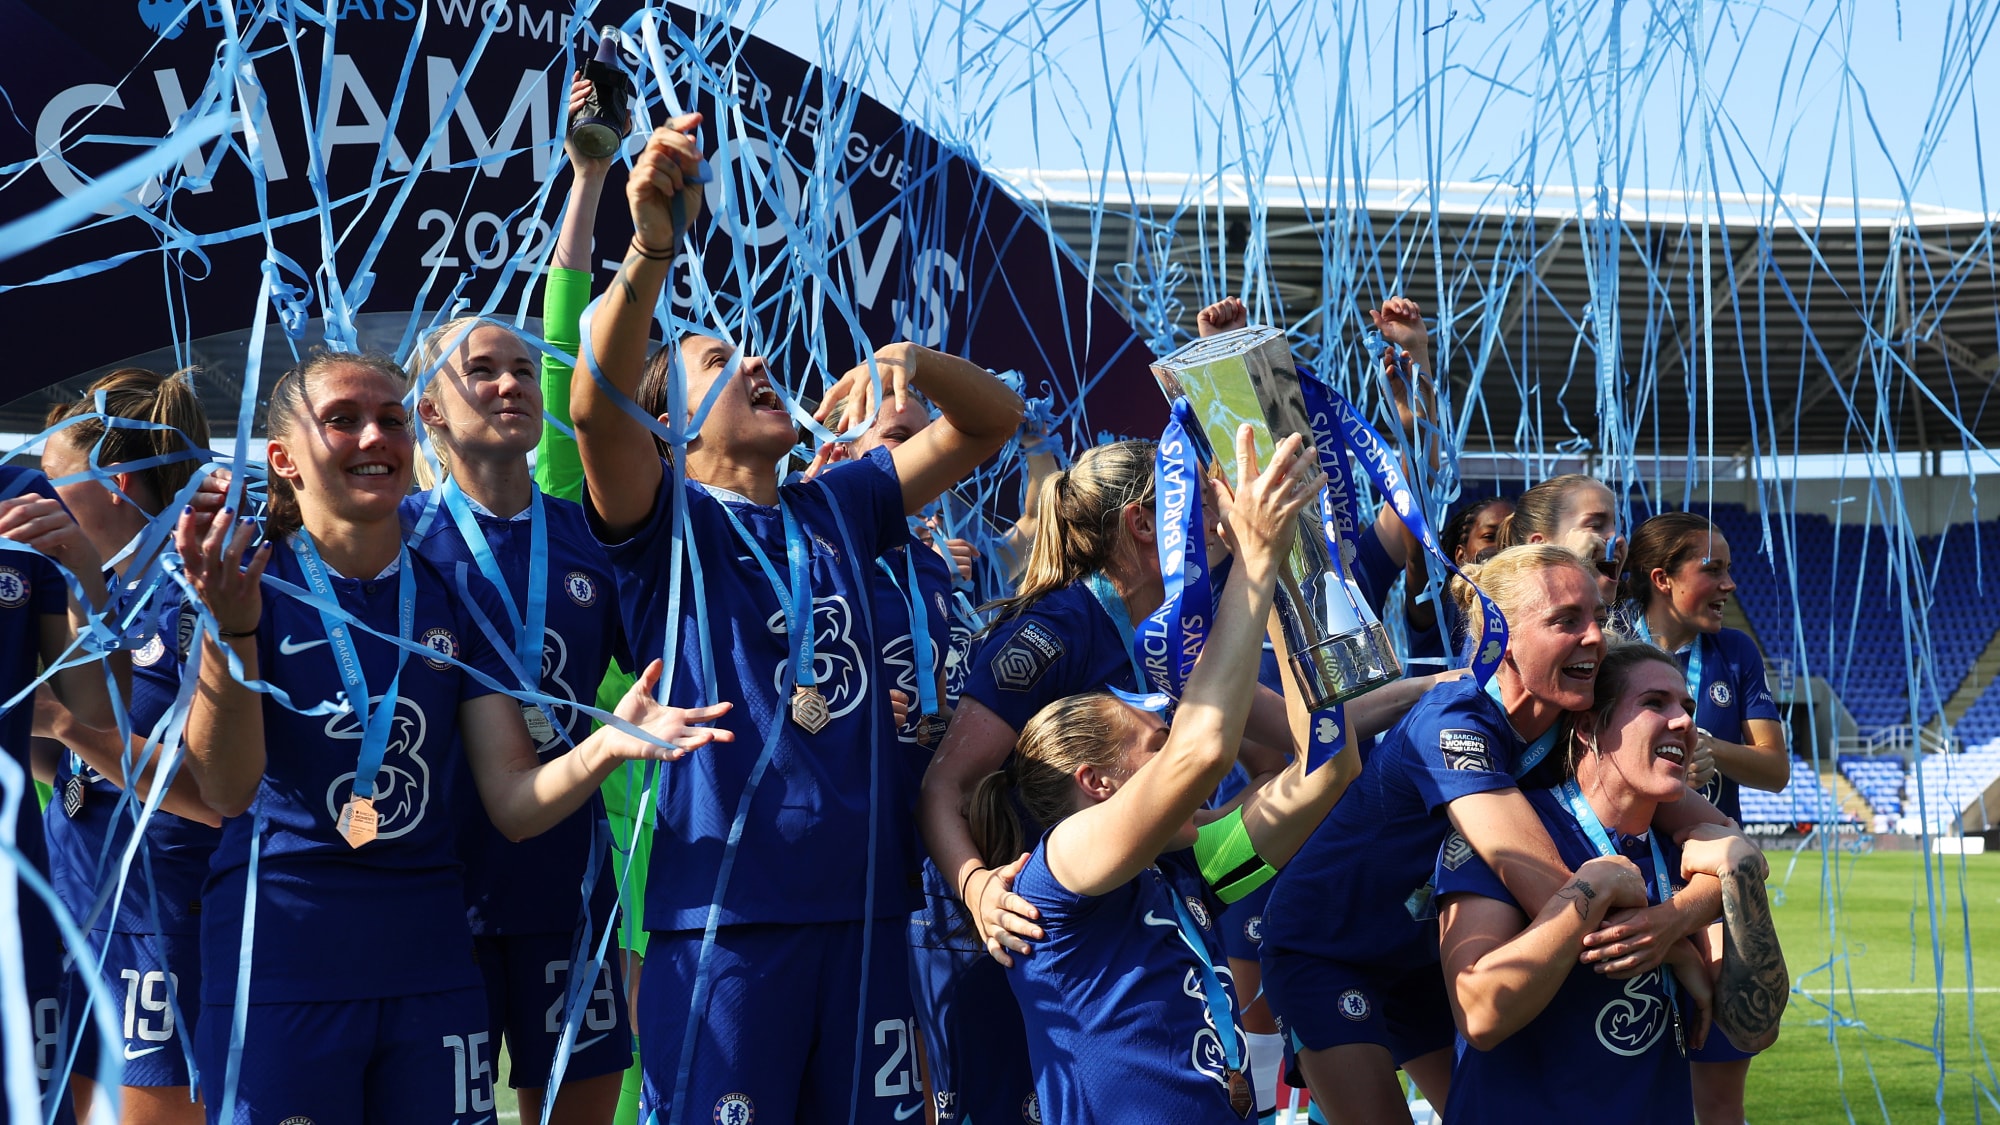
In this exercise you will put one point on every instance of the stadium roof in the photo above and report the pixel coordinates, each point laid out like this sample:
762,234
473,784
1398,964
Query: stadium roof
1899,301
1784,273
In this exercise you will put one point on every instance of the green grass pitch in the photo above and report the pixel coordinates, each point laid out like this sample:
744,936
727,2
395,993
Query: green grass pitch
1872,958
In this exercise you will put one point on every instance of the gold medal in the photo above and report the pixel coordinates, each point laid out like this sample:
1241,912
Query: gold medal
358,821
930,728
809,709
1241,1099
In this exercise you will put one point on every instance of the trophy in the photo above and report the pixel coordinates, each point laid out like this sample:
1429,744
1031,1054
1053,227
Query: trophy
599,125
1339,648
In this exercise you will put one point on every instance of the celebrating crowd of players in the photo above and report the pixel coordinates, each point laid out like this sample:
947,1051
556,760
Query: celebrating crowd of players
887,868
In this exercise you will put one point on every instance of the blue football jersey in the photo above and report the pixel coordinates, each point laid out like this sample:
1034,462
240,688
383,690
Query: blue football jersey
86,849
336,922
535,886
1115,999
1610,1041
1376,848
31,588
804,850
1061,644
1732,691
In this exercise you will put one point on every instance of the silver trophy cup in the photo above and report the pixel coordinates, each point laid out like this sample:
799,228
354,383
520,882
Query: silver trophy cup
1339,648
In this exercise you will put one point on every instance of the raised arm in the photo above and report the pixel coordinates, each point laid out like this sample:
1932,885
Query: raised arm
1401,323
1498,975
525,796
978,414
564,294
1103,846
225,724
1282,812
620,465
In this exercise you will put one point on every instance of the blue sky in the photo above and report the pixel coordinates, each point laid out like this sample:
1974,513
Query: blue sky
1876,98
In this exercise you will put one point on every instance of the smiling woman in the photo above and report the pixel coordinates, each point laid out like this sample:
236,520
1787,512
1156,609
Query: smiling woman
1366,998
346,796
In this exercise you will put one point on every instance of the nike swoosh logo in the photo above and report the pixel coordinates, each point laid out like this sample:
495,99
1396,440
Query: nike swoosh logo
1152,920
586,1044
904,1113
131,1054
288,648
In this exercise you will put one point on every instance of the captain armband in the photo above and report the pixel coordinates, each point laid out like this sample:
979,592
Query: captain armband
1229,862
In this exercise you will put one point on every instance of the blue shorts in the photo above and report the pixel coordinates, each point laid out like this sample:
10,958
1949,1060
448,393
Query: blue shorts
974,1040
784,1018
155,986
1243,924
355,1062
1718,1049
527,982
1321,1004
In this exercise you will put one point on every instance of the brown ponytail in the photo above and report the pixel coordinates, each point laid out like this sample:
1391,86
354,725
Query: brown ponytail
1070,733
167,401
1078,518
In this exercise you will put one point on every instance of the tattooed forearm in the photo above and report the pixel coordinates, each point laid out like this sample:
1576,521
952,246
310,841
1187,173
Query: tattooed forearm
625,285
1580,895
1750,996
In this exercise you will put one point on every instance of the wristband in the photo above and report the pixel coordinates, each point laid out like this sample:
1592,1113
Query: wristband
962,883
649,254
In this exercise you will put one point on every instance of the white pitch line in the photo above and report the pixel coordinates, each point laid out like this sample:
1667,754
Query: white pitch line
1901,991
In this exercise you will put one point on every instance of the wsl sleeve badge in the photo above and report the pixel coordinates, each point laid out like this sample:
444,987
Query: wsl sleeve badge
1027,654
1465,750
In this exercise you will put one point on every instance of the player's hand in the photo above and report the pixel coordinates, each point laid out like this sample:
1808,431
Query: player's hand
1226,315
1006,921
830,453
212,550
583,166
1701,767
854,394
1401,323
899,706
1692,974
664,175
44,524
678,728
1263,516
1632,941
1714,849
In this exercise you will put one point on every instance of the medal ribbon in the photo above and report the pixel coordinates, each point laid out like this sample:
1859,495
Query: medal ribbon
923,649
374,719
1645,631
796,605
1218,1001
1586,819
1114,607
1338,427
528,627
1170,638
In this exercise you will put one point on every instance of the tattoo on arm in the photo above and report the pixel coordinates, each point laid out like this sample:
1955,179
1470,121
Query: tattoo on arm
1579,894
631,294
1751,993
